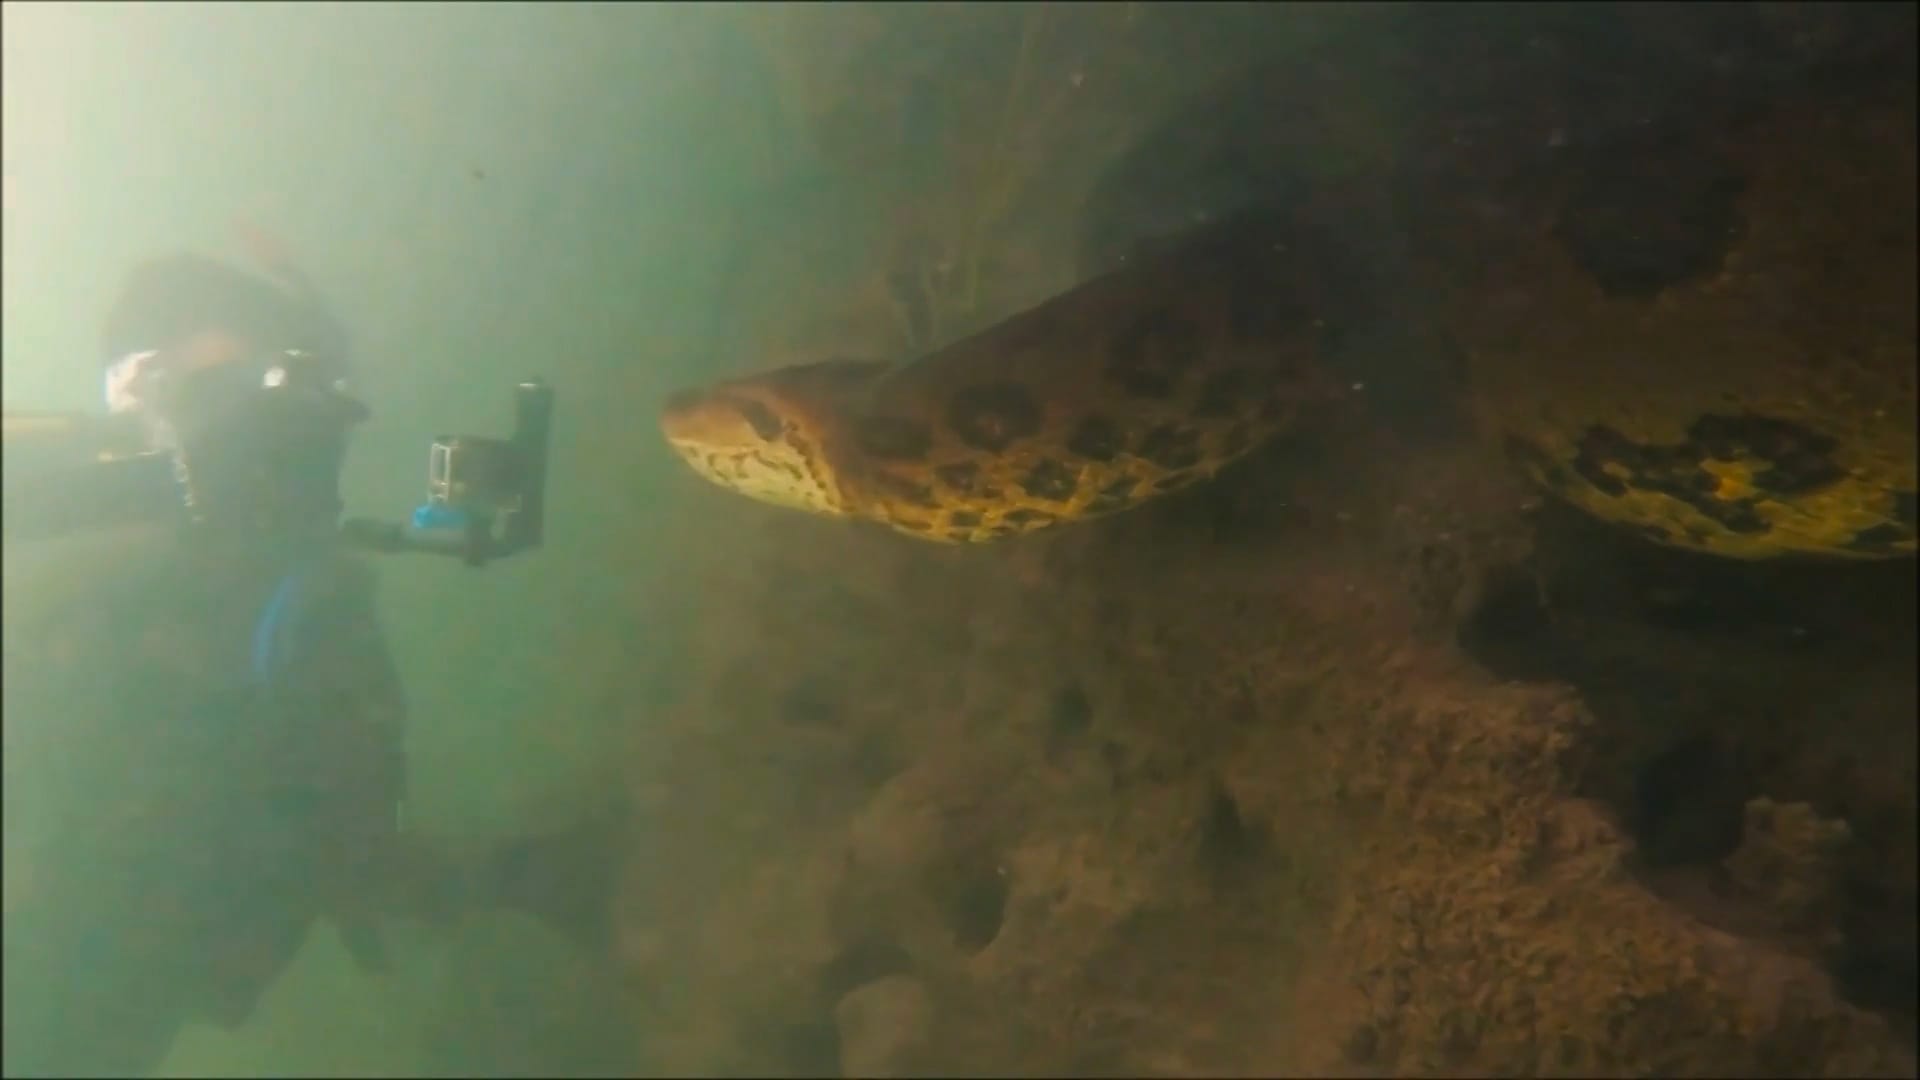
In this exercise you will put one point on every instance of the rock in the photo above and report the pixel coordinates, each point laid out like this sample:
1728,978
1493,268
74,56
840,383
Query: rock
1787,860
1337,765
882,1025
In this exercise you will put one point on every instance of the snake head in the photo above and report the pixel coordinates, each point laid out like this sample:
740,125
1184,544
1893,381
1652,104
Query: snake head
767,436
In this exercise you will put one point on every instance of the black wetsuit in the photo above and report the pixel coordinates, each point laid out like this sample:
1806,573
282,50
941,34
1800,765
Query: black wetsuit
189,784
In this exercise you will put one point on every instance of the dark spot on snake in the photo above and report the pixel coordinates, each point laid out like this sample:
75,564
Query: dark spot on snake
1796,460
1221,394
745,463
991,416
960,476
1642,221
760,418
891,438
1152,354
1116,494
1050,480
963,519
1784,459
1025,518
907,491
1741,518
1172,448
1592,469
1096,438
1236,441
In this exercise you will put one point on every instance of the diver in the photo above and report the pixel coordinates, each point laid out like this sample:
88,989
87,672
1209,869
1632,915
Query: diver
205,750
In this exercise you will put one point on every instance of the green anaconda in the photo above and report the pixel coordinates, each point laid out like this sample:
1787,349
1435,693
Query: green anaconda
1137,383
1702,332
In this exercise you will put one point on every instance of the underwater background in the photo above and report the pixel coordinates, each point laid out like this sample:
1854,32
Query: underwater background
1439,737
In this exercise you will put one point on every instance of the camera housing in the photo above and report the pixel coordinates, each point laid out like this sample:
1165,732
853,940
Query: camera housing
486,497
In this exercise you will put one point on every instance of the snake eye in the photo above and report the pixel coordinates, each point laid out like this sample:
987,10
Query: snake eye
764,423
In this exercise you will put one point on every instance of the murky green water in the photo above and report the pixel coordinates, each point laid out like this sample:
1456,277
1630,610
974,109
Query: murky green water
629,199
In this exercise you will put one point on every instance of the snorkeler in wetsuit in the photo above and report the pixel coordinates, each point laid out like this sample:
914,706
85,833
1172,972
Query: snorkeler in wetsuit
205,755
